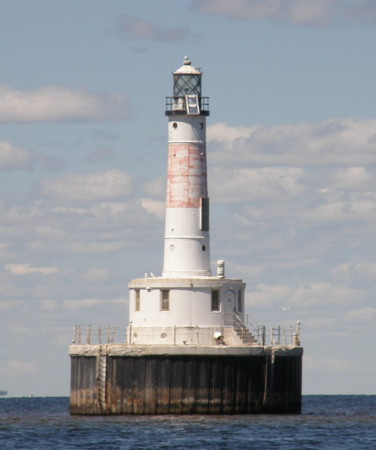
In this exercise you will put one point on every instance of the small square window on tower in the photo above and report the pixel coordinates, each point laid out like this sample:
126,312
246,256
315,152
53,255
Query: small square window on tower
215,303
165,300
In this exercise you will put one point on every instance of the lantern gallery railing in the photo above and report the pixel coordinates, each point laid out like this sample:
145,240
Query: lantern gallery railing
190,104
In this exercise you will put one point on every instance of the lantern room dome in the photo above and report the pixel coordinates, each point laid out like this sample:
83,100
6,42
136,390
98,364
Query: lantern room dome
187,68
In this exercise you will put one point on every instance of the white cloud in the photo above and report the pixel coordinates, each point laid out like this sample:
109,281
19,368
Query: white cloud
84,303
27,269
355,208
95,187
82,246
305,296
8,305
249,270
132,27
363,315
362,11
156,188
299,12
154,207
120,300
361,270
320,323
5,252
53,163
13,158
16,367
96,275
353,178
49,305
342,142
61,104
227,135
275,184
98,213
302,175
100,154
53,227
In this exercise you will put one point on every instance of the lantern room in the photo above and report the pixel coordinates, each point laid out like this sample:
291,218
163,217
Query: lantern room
187,80
187,97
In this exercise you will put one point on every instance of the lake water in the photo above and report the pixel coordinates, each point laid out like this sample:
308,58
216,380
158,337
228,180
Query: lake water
326,422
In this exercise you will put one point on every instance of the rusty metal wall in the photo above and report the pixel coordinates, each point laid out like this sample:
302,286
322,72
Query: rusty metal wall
84,385
187,385
186,176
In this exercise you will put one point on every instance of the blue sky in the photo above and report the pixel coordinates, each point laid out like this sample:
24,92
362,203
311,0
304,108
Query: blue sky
291,154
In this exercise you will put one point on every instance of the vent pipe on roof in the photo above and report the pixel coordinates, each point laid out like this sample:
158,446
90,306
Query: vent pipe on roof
221,268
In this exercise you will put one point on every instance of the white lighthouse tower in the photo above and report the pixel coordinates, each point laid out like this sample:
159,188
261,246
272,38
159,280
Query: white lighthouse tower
187,305
187,213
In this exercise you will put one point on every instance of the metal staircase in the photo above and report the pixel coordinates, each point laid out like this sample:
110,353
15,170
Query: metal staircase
242,330
246,336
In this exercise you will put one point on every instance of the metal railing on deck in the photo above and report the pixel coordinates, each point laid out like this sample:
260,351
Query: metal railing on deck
250,334
100,335
280,336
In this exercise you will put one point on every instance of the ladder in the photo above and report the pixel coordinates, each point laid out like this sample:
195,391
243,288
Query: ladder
102,379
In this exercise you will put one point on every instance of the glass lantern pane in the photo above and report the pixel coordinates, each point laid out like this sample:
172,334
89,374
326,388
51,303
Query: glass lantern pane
187,85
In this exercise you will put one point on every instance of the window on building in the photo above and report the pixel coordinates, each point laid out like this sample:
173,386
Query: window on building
215,303
137,299
165,300
204,225
193,107
240,300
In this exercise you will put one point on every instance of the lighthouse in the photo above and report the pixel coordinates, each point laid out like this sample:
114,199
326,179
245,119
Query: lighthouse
188,347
